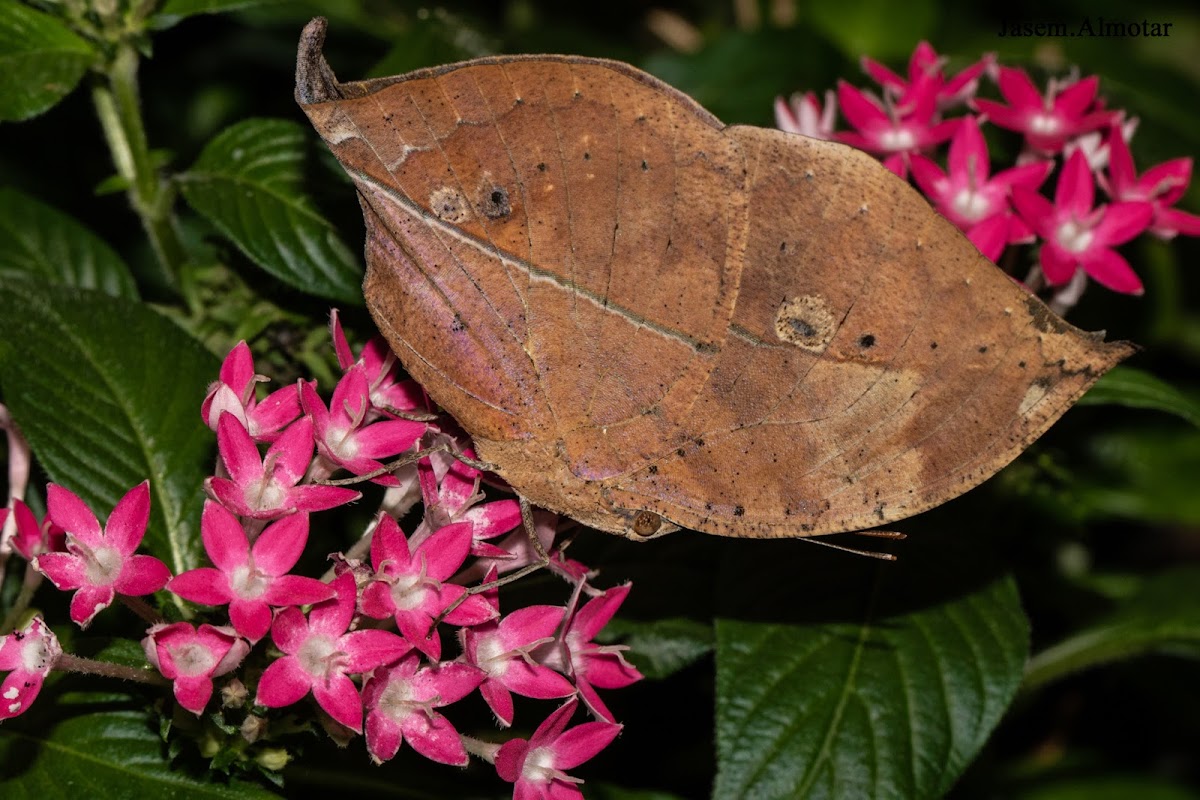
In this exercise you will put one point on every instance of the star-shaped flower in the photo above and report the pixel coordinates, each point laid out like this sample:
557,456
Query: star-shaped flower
191,658
401,701
32,538
251,580
27,655
269,487
411,586
925,66
99,565
388,393
804,115
1066,111
894,130
235,393
321,655
1161,186
1076,236
536,767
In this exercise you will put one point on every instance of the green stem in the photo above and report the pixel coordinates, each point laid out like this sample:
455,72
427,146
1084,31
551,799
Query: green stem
67,662
118,107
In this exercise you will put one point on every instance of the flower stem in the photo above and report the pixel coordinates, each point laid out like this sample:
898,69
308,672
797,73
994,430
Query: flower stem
477,747
67,662
142,609
115,97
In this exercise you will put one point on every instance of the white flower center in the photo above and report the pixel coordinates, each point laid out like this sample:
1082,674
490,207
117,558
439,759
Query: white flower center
897,140
539,765
103,565
1044,124
490,655
1073,237
248,582
320,658
266,496
343,443
37,654
971,205
193,659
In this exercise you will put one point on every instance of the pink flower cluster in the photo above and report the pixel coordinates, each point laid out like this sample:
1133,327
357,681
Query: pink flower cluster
365,642
1065,127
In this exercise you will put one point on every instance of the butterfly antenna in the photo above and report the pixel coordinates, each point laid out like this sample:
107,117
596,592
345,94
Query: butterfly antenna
856,551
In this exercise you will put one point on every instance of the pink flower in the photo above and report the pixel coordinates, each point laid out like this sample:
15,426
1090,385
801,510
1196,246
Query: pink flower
250,579
387,392
342,435
966,197
1162,186
535,767
504,651
411,586
100,565
400,702
1078,236
925,66
235,393
266,488
32,538
454,498
590,664
320,656
1065,112
191,658
27,655
894,130
802,114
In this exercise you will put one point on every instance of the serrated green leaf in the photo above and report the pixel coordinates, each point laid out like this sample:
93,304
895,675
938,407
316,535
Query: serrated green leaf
40,242
866,680
41,60
660,648
108,393
1164,617
174,12
1133,388
247,183
109,754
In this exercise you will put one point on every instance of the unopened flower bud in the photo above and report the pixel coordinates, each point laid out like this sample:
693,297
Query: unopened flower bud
273,758
234,694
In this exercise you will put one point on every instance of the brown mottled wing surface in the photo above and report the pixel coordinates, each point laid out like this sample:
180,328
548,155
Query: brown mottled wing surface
876,365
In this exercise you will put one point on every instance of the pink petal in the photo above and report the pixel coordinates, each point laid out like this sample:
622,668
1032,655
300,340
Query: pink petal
278,548
990,236
339,697
71,514
313,497
1030,176
90,601
290,630
968,152
1171,221
377,601
65,570
193,693
534,680
1001,115
1076,188
610,671
238,452
127,524
1121,171
314,407
224,538
1169,180
1122,222
592,700
250,618
388,437
1057,264
435,738
510,758
499,700
383,736
897,164
930,178
1037,212
283,682
530,623
415,626
859,110
204,585
332,617
597,612
237,369
349,402
1019,90
142,575
296,590
340,346
293,452
882,75
368,649
19,690
552,727
475,610
1075,99
446,550
493,519
278,410
1110,269
582,743
389,544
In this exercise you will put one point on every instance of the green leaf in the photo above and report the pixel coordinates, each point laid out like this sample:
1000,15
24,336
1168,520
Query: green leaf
174,12
108,393
247,183
109,754
838,678
1142,473
40,242
41,60
660,648
1164,617
1133,388
876,28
